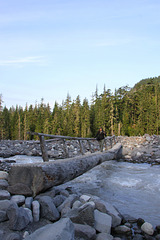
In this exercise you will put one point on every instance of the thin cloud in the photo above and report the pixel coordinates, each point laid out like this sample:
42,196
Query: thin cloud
22,61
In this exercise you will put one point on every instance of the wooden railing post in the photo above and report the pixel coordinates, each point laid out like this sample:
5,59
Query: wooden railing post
65,148
43,149
81,147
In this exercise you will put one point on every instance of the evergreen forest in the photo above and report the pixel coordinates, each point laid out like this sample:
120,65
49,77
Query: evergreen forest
127,112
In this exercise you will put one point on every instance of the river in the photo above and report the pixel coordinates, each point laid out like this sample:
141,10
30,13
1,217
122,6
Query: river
133,189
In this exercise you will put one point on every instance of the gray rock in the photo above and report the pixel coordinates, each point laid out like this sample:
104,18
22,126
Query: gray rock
147,228
103,222
19,199
85,231
20,189
58,200
4,195
83,215
28,202
5,204
18,217
1,234
122,229
3,216
104,236
13,236
138,237
76,204
3,184
3,175
68,202
64,193
36,210
48,209
106,207
60,230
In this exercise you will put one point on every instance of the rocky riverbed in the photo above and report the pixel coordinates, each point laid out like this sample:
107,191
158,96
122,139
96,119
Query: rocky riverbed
62,211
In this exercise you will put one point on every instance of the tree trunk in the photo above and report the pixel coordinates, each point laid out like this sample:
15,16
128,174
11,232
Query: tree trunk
41,176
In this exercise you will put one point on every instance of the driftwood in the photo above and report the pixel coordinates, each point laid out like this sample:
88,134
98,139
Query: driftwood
41,176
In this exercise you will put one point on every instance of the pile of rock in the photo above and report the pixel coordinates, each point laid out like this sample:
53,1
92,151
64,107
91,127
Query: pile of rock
145,149
61,213
55,148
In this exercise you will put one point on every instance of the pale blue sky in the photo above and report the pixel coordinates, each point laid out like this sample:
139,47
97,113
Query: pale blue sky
49,48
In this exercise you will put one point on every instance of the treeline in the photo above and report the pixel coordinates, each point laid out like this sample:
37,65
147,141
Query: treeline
128,112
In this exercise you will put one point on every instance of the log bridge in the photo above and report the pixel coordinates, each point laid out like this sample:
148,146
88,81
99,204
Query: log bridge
43,146
38,177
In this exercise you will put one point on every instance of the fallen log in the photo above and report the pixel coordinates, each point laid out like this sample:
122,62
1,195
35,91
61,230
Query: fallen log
41,176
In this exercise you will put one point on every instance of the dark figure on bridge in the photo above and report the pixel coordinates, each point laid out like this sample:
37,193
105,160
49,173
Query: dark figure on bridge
100,136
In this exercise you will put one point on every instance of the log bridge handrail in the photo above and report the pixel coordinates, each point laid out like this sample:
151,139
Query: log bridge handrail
64,138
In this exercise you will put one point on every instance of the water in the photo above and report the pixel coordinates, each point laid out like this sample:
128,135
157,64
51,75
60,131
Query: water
133,189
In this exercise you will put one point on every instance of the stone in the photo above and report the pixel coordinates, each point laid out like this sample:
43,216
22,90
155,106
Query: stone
106,207
3,175
76,204
36,210
64,193
13,236
83,215
3,216
122,229
138,237
1,234
29,212
103,222
3,184
58,200
147,228
19,199
60,230
28,202
5,204
4,194
18,217
48,209
68,202
20,189
104,236
85,198
85,231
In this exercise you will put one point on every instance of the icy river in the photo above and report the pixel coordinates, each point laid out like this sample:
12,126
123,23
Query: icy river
133,189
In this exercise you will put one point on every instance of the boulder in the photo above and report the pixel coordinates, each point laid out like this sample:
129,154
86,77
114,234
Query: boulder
147,228
19,199
60,230
20,189
106,207
58,200
122,229
13,236
19,218
4,194
82,215
3,175
104,236
85,232
3,216
3,184
68,202
103,222
48,209
28,202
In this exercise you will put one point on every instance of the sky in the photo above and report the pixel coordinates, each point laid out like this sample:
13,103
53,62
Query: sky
52,48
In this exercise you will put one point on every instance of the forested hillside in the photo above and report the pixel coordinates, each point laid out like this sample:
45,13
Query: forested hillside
128,111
